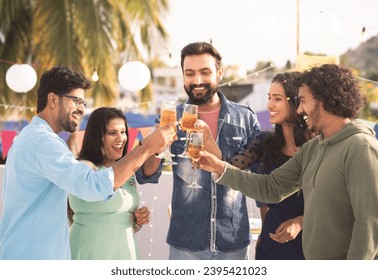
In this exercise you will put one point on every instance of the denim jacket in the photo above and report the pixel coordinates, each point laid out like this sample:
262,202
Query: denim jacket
214,217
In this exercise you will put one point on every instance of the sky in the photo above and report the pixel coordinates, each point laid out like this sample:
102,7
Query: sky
248,31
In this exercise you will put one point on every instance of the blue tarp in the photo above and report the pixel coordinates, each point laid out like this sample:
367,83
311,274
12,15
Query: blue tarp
133,120
14,125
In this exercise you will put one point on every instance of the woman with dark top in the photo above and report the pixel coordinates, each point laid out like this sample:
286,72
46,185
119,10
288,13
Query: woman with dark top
274,149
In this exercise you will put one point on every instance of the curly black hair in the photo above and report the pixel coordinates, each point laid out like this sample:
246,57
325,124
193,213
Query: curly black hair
337,88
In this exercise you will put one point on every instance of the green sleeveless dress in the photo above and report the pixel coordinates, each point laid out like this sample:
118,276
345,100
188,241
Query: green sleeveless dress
104,230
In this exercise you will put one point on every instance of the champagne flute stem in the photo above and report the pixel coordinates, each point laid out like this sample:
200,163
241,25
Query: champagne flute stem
168,156
194,181
184,154
186,142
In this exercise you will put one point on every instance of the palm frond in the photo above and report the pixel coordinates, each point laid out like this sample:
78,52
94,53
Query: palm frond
82,34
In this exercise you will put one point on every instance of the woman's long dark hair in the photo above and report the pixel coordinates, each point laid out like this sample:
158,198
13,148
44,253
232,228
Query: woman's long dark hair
273,144
93,141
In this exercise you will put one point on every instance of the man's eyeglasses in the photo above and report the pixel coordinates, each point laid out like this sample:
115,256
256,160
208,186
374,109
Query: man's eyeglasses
77,100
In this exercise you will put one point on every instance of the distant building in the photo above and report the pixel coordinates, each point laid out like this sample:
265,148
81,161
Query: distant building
252,92
168,85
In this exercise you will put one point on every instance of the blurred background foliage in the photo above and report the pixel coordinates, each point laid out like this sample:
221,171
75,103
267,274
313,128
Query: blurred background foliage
82,34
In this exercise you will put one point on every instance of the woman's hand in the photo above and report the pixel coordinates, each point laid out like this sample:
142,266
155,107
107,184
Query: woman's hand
288,230
141,217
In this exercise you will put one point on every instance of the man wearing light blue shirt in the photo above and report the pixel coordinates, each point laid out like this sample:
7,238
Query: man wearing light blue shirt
41,170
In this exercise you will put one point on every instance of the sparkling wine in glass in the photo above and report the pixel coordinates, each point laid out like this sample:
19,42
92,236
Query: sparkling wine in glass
167,116
195,145
189,118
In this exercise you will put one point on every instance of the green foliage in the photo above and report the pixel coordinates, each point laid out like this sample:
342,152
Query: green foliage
82,34
365,60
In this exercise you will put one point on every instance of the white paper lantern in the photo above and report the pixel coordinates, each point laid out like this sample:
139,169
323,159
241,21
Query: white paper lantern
21,77
134,75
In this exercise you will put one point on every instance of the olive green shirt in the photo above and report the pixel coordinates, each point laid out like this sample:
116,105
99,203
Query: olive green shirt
339,180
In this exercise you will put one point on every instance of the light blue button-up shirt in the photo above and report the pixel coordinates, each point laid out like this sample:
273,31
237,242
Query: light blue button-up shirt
39,172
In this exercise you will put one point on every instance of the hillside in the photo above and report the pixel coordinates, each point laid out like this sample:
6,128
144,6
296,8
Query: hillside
364,58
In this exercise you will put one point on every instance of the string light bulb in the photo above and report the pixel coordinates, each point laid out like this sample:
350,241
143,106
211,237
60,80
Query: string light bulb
363,34
94,76
171,61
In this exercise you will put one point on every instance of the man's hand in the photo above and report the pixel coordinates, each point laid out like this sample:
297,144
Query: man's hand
161,137
211,163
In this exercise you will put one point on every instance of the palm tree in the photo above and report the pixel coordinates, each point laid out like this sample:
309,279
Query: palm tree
87,34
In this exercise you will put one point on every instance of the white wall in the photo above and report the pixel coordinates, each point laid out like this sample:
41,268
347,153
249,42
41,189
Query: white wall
151,237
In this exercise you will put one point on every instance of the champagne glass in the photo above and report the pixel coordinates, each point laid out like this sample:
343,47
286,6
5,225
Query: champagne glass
167,116
189,118
195,145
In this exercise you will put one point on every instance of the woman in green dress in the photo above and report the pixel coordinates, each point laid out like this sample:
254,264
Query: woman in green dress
106,229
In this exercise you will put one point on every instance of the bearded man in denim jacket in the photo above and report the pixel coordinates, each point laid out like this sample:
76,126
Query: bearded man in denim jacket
210,222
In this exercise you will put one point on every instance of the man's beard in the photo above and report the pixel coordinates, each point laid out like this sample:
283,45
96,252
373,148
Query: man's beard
204,98
314,117
66,123
69,126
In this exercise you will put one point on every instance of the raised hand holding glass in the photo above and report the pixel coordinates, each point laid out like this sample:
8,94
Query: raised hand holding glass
167,116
